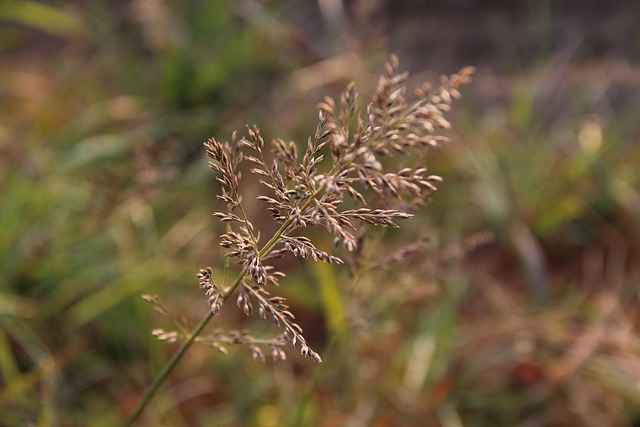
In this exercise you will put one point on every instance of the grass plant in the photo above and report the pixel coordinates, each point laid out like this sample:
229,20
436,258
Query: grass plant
310,191
105,195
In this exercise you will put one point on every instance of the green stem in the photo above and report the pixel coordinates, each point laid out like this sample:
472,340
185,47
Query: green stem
159,379
168,367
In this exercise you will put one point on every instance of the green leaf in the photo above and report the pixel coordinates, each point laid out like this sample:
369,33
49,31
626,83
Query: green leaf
43,17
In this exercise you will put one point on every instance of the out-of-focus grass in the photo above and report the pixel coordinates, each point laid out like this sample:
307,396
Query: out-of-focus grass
101,197
105,195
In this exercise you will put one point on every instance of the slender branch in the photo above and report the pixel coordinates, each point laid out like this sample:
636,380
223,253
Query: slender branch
171,364
166,370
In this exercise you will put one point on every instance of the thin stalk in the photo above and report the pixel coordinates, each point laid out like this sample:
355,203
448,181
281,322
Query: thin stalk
166,370
168,367
171,364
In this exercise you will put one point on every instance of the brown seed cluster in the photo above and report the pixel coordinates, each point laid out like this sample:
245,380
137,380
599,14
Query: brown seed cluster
349,159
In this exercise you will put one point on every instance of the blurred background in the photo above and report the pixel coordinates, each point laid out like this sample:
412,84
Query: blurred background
510,300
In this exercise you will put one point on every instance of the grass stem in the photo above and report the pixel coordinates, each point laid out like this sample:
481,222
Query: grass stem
166,370
171,364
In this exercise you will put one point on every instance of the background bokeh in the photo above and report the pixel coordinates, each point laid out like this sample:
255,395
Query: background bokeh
511,299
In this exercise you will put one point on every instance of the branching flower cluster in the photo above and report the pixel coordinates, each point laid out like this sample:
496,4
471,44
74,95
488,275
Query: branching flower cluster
326,186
